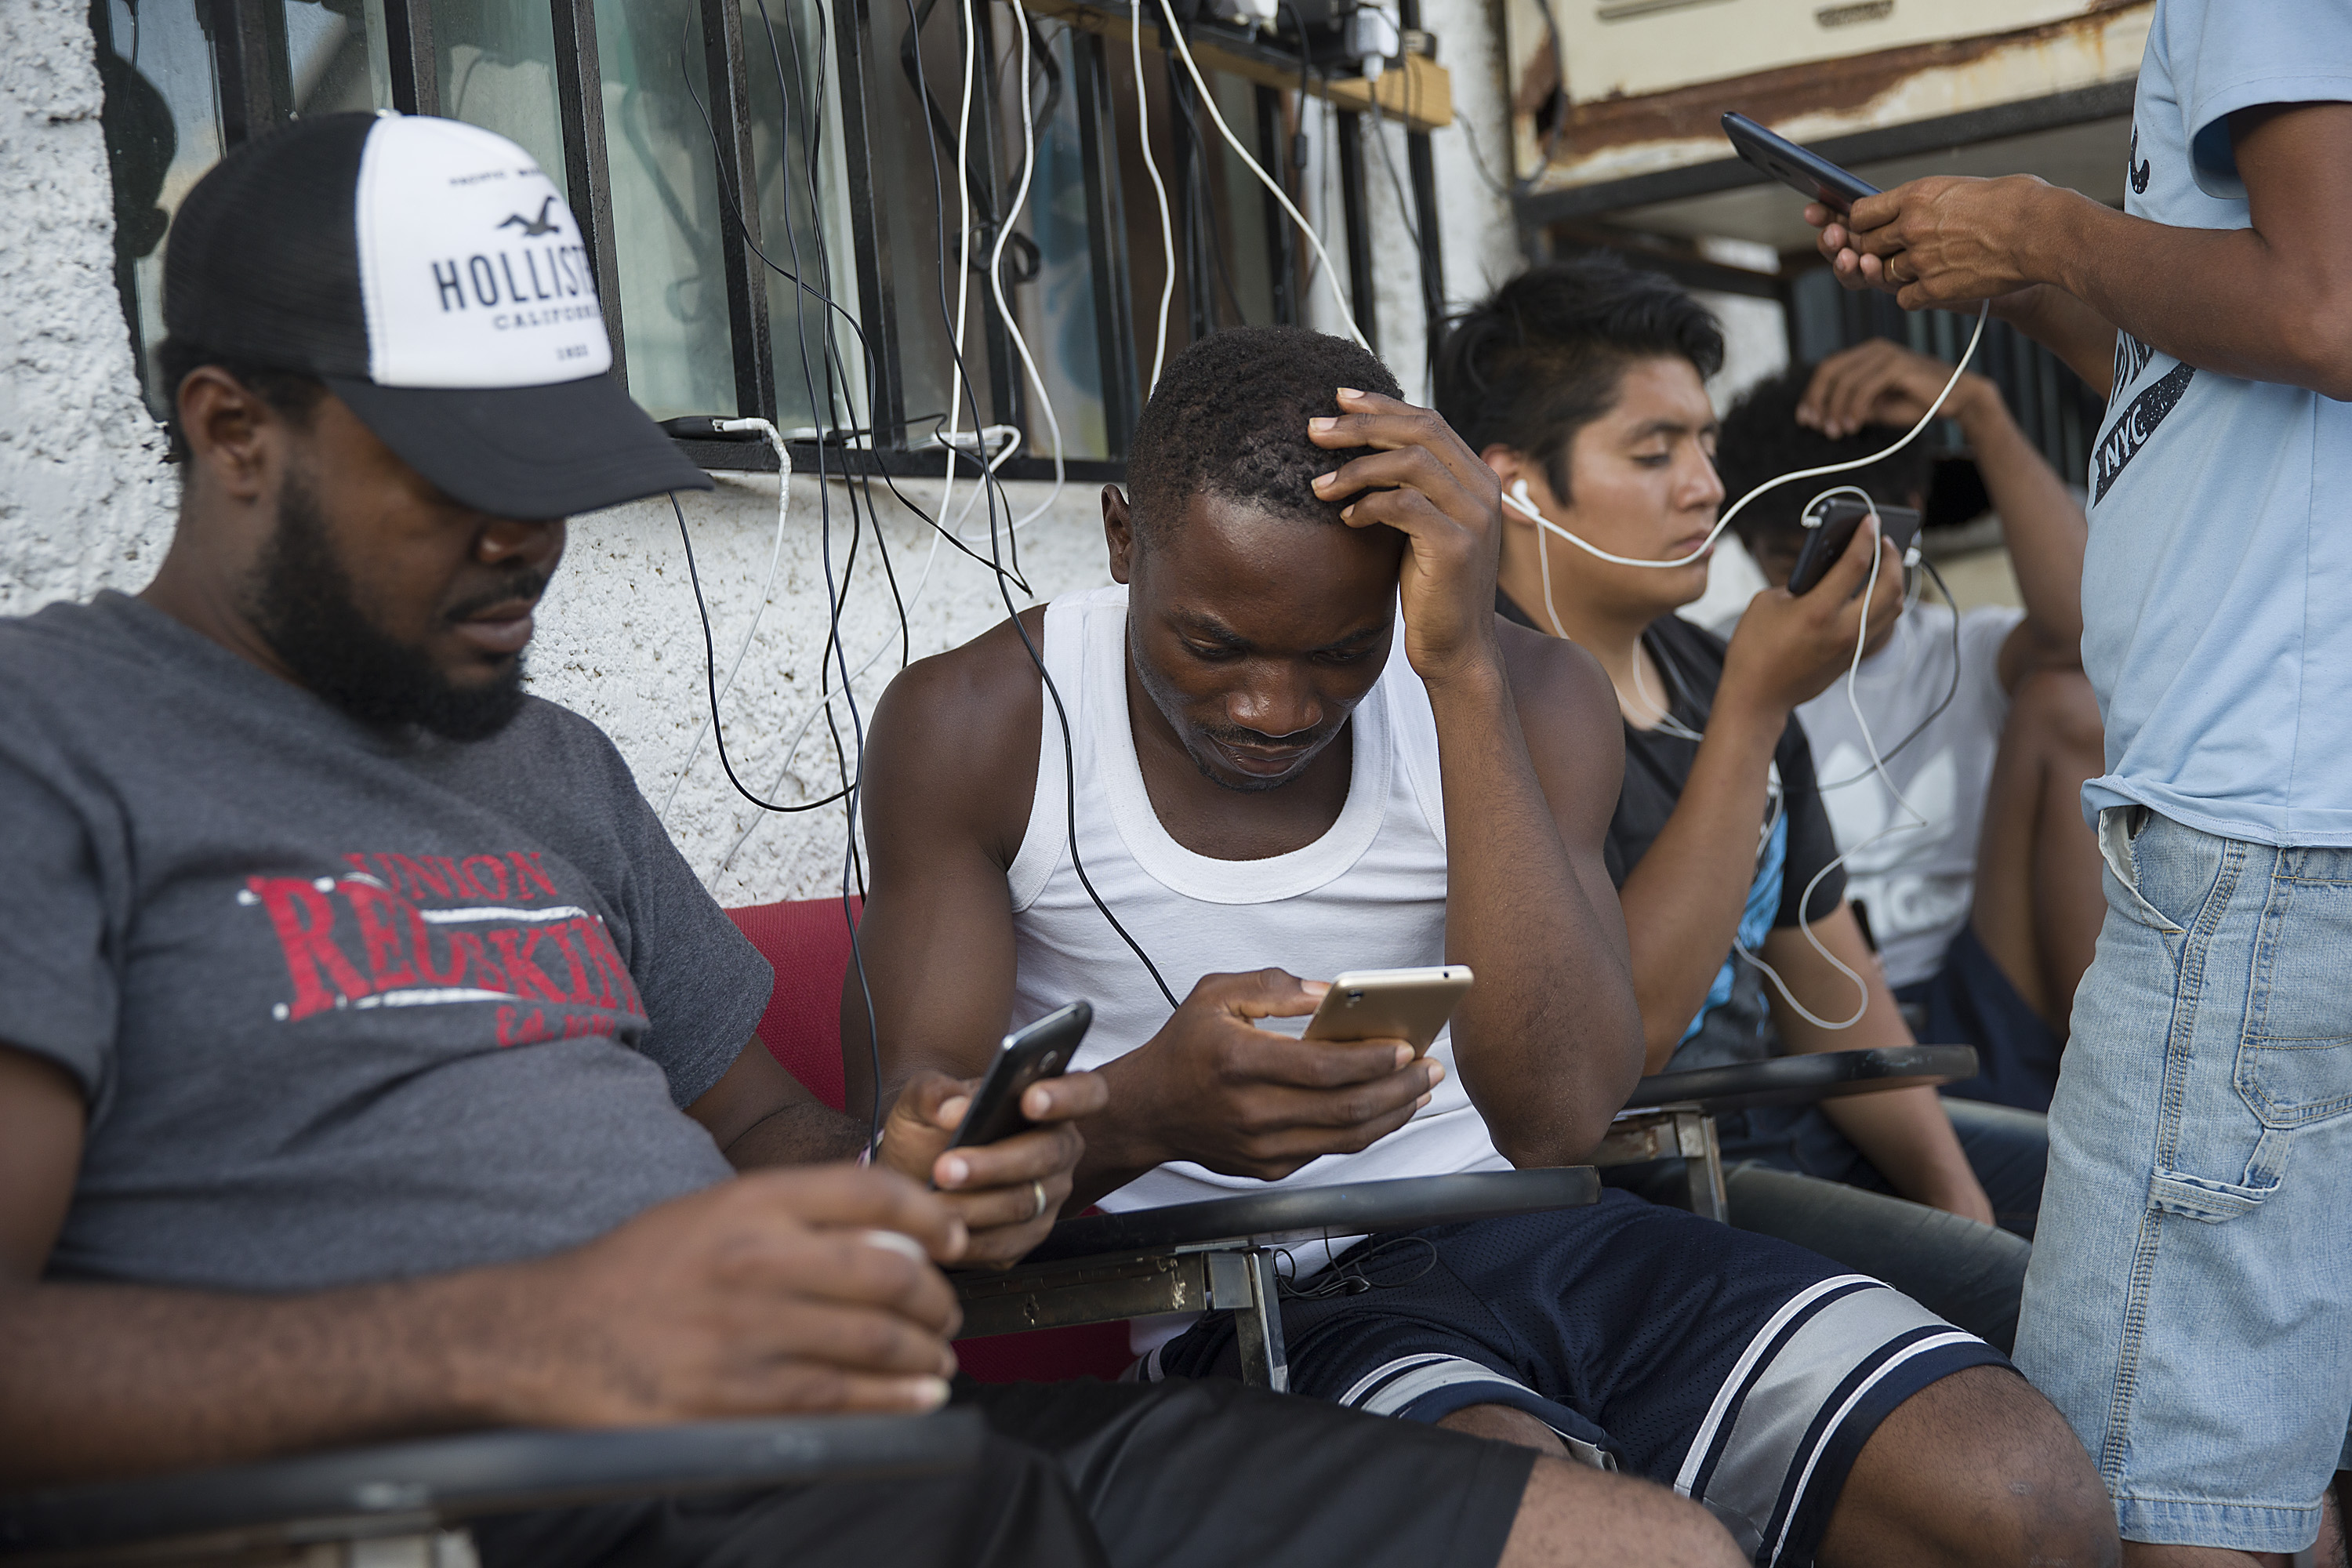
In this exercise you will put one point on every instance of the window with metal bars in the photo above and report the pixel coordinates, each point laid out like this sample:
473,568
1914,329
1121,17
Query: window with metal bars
771,194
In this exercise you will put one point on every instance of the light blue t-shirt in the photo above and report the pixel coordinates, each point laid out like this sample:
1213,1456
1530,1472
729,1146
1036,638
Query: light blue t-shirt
2216,588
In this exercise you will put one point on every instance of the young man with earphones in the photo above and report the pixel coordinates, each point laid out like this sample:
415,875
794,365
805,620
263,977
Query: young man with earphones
2190,1300
1293,739
1985,913
1582,385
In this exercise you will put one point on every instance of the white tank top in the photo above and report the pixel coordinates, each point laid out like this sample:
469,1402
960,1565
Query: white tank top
1369,894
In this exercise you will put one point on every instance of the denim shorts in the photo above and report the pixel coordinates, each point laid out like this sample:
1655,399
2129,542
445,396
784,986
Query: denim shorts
2190,1302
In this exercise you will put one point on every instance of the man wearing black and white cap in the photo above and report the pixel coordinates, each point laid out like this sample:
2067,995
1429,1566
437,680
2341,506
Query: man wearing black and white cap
373,1065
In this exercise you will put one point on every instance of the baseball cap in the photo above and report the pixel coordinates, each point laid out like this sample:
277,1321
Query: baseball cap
430,274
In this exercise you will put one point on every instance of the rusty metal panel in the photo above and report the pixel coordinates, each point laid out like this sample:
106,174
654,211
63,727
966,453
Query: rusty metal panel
1090,1291
1645,81
1626,49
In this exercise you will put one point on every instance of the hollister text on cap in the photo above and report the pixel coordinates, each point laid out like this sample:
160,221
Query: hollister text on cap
430,273
496,289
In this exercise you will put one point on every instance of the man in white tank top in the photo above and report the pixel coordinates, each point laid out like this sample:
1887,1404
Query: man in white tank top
1298,736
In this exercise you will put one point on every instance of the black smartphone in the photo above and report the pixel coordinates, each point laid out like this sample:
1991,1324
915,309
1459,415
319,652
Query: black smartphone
1806,172
1825,542
1044,1049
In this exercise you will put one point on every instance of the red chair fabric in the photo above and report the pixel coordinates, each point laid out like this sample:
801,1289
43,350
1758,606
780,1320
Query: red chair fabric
808,944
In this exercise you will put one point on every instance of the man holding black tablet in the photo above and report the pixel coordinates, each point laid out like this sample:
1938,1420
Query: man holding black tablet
2189,1304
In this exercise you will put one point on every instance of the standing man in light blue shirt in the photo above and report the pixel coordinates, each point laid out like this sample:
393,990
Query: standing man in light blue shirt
2190,1303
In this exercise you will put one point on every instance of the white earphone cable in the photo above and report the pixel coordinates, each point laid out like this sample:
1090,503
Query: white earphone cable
1870,743
1518,498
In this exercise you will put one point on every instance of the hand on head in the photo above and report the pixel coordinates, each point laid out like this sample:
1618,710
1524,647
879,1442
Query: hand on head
1248,1101
1422,481
1883,382
1789,646
994,1190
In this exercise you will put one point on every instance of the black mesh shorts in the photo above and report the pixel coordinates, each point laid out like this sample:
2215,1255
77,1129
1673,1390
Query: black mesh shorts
1742,1371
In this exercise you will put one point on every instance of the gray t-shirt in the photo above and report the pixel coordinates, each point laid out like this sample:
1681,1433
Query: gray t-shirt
345,1006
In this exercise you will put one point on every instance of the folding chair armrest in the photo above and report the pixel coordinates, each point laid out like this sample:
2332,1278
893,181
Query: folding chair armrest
413,1488
1805,1079
1185,1257
1284,1214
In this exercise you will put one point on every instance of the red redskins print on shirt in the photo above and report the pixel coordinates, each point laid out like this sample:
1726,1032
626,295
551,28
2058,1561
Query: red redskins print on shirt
400,931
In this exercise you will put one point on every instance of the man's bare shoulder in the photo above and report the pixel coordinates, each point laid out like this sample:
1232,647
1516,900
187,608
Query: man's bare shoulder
1568,711
1560,689
955,736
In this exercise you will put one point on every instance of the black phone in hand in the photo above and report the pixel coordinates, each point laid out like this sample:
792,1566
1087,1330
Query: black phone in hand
1807,173
1841,517
1042,1050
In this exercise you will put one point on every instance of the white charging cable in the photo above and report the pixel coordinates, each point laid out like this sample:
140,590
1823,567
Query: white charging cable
767,586
996,282
963,256
1274,187
1518,498
1158,195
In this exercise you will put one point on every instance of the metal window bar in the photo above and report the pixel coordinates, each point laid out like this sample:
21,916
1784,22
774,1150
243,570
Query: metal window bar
994,105
257,88
1282,240
725,70
1106,241
408,40
1421,170
1361,289
580,110
869,237
1189,195
1420,167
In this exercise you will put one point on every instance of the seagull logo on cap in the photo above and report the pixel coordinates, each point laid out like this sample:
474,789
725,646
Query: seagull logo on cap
533,227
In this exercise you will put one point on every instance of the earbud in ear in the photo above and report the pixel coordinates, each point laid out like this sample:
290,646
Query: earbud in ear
1518,497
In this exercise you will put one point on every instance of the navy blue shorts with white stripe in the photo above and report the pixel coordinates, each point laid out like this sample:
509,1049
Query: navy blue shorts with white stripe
1743,1372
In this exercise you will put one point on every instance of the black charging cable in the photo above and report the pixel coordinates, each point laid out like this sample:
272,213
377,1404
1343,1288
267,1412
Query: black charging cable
994,499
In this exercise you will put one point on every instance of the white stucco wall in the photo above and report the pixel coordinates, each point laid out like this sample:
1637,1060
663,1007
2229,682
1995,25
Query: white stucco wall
86,501
620,642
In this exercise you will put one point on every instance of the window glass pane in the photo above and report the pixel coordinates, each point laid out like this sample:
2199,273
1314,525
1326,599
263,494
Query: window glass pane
791,66
335,56
1149,262
495,60
1057,310
1245,284
667,227
909,209
163,127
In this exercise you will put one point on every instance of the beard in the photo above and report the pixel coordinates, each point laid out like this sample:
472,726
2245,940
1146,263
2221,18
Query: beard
301,600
